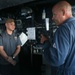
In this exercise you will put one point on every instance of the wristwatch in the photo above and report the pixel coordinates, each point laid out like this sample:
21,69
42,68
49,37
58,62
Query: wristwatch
13,57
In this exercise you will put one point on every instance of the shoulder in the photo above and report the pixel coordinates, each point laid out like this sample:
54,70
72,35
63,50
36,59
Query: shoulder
3,33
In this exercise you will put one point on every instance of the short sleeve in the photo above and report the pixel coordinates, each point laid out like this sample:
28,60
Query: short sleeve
19,41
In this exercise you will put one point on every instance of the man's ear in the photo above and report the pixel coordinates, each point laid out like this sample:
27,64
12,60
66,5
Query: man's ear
63,11
6,24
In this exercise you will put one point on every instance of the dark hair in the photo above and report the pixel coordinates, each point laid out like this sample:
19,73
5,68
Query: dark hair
45,35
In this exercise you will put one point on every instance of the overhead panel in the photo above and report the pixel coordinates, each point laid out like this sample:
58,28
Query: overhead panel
10,3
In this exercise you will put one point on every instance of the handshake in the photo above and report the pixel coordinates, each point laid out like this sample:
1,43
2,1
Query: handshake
11,60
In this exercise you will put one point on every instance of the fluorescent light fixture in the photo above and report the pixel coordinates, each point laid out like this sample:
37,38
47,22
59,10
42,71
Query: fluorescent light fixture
43,14
47,23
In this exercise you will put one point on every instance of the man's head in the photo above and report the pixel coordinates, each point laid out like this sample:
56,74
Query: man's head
10,24
61,12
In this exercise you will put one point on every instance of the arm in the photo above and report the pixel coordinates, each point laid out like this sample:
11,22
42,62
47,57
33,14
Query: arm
3,53
18,48
17,51
6,57
57,53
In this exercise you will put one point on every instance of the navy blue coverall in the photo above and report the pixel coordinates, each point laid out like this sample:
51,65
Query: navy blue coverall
61,54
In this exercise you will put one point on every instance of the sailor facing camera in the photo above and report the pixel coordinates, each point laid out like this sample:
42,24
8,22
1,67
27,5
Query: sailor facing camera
10,45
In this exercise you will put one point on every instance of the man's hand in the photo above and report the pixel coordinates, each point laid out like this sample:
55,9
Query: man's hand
10,60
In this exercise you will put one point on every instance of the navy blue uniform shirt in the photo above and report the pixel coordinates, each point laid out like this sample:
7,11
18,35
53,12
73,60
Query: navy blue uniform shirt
62,52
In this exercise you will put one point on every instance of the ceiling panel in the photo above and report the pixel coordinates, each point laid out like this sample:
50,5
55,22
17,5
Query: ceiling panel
10,3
